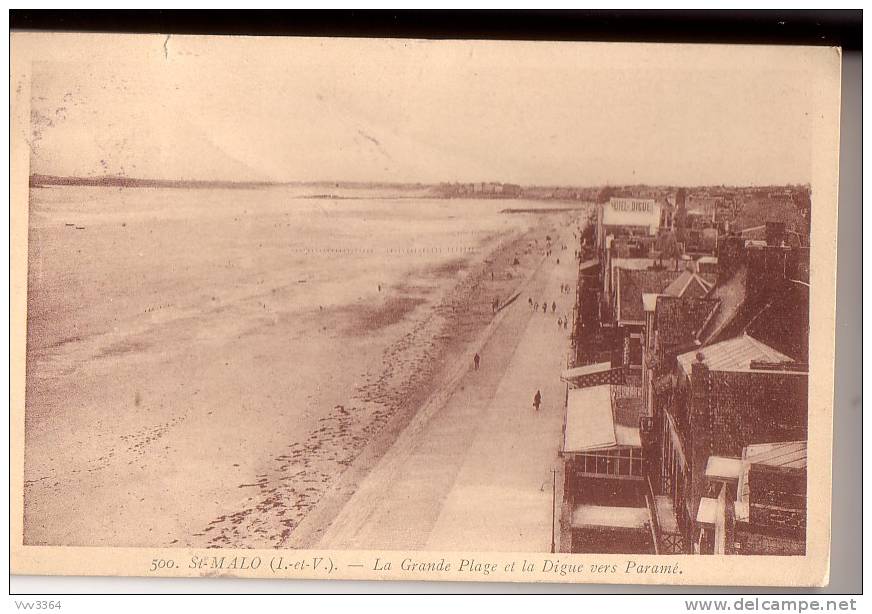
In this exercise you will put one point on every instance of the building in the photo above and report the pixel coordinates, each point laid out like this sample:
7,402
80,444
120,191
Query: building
605,430
723,398
757,502
628,217
672,326
764,291
629,309
710,357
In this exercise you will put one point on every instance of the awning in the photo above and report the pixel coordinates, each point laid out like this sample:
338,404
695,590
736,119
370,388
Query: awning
597,420
608,517
599,367
588,264
723,468
627,436
590,424
707,512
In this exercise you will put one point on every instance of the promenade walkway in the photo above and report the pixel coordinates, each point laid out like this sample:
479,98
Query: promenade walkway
473,471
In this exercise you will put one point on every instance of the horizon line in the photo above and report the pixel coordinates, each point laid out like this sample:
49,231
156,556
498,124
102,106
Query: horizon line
120,180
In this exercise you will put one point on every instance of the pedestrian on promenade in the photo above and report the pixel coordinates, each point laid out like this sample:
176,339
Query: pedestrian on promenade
553,307
544,307
537,400
559,323
476,360
536,307
564,323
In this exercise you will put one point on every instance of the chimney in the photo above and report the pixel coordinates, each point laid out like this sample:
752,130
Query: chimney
698,406
698,381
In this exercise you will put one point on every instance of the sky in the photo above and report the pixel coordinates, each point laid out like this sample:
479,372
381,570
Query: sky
274,109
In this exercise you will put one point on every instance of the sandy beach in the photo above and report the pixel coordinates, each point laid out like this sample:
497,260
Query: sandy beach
223,367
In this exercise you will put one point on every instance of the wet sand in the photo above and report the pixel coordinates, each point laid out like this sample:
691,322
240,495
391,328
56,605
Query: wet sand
225,376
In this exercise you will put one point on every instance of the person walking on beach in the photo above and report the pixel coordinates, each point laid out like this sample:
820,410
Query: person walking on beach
476,360
537,400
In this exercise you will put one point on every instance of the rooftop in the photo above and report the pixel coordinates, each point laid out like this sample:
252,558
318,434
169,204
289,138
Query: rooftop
689,284
635,264
783,322
632,284
788,454
731,294
793,454
734,354
679,321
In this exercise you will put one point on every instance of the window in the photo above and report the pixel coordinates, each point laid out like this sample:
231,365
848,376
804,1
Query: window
635,351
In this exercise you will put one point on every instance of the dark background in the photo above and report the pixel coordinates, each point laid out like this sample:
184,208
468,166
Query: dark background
781,27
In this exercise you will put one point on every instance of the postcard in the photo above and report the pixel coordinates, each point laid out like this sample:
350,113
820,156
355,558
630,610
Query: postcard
398,309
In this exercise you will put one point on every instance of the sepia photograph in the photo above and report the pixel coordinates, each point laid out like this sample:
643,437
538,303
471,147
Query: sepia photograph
416,309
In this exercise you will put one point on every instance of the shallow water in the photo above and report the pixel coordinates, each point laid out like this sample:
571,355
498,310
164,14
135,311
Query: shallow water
191,351
105,257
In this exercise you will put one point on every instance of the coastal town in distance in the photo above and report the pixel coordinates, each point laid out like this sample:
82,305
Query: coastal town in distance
421,367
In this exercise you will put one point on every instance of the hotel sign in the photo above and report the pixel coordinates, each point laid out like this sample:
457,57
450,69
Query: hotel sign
633,205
